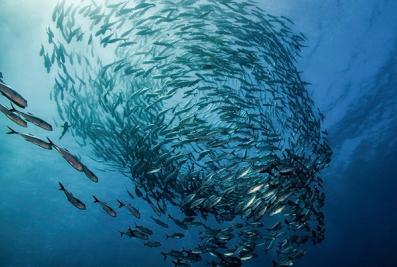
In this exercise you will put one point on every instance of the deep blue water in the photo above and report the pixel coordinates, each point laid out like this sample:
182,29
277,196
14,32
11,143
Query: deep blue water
351,61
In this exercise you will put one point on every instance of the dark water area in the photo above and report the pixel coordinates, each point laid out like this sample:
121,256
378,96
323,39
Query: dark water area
350,61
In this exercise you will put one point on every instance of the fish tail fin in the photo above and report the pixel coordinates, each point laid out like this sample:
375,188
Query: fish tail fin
51,143
12,109
121,234
95,199
121,204
166,237
61,187
11,131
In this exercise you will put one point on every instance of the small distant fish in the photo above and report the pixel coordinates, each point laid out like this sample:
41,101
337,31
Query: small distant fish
285,262
129,232
12,116
105,207
178,222
159,222
65,127
144,229
175,236
71,159
134,211
135,233
30,138
138,192
152,244
140,235
75,201
33,119
255,188
153,171
130,194
13,96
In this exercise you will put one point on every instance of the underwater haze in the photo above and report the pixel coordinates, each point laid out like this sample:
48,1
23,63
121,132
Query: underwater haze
350,60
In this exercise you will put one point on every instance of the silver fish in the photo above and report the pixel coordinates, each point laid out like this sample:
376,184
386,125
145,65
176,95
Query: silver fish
30,138
13,96
33,119
69,157
12,116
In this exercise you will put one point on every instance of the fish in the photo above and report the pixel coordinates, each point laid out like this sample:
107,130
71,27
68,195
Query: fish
33,119
134,211
175,236
72,199
159,222
224,131
152,244
144,229
138,192
13,96
90,174
181,224
130,194
134,233
105,207
13,117
69,157
153,171
129,232
65,127
255,188
140,235
32,139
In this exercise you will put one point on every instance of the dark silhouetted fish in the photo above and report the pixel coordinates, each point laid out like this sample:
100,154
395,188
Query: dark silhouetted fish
105,207
133,211
90,174
65,127
75,201
152,244
159,222
175,236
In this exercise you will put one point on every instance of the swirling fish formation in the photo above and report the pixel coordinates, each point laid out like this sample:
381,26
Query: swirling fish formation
200,104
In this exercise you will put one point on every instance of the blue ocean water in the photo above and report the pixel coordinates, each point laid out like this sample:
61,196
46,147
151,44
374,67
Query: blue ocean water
351,61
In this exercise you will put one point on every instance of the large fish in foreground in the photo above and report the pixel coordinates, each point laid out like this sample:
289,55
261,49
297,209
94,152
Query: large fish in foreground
13,117
32,139
13,95
33,119
69,157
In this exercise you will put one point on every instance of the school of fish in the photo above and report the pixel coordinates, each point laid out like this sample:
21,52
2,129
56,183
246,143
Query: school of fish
199,103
